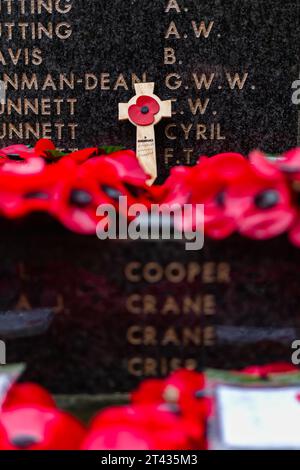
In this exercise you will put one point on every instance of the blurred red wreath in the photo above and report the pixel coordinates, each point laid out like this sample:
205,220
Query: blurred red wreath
255,197
164,414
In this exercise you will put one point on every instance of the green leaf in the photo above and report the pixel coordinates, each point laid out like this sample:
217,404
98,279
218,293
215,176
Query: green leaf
229,377
13,369
235,378
8,376
108,149
273,158
56,154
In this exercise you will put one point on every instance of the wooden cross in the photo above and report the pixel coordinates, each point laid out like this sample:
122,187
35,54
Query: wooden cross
144,111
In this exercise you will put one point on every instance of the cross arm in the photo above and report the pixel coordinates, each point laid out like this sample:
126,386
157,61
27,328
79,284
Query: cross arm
123,111
166,109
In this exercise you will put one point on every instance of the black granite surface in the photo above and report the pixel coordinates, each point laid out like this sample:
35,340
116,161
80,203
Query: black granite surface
117,36
86,348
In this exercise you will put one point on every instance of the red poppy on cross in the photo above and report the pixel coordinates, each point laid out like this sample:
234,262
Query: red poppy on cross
144,111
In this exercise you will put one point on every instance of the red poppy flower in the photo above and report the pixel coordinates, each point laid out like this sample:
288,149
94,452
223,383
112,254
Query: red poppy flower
139,427
144,111
181,386
183,382
189,404
205,183
119,437
120,174
17,154
122,164
263,166
22,192
261,201
75,202
101,180
149,391
39,428
168,390
181,391
32,166
210,181
288,163
83,155
177,189
4,440
43,146
289,166
185,388
294,233
27,394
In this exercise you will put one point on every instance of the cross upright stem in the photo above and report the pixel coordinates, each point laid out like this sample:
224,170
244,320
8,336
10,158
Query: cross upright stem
145,149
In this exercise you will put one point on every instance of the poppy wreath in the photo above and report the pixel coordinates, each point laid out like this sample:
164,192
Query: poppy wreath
163,414
256,196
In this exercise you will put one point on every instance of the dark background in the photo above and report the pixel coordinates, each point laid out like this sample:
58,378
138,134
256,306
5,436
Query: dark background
85,349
